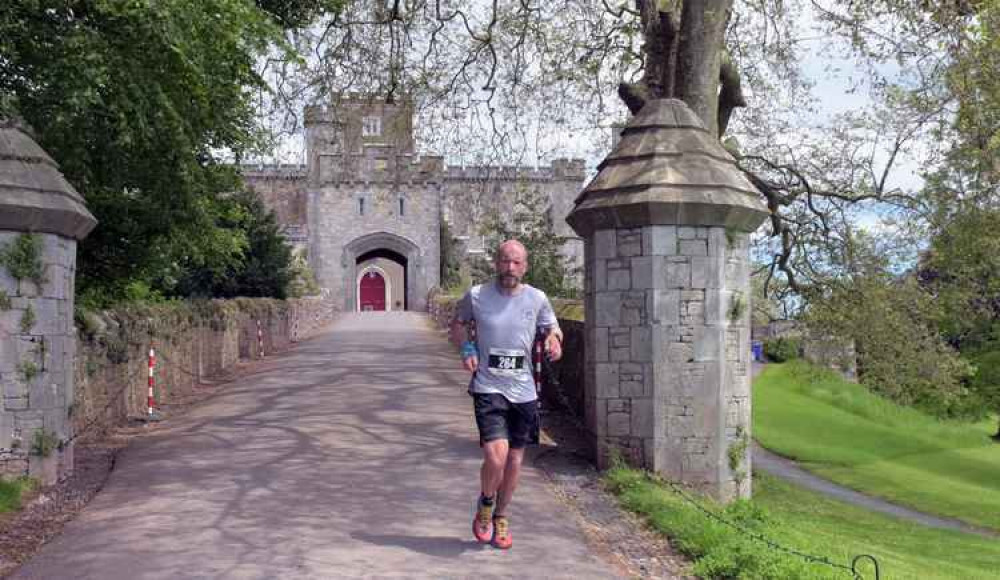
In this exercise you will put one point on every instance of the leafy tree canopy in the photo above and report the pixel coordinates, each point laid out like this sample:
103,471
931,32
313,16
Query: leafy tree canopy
263,269
140,102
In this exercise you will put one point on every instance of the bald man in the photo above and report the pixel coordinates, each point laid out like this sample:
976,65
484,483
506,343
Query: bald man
506,314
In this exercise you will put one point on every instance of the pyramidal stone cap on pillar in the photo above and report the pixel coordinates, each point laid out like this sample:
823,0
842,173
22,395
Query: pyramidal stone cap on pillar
34,195
668,170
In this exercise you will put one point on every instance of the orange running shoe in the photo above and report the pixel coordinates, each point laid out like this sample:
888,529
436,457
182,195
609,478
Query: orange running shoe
502,537
482,523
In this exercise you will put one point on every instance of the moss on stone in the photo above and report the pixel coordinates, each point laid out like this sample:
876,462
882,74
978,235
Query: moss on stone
737,307
29,370
23,259
28,320
737,451
44,443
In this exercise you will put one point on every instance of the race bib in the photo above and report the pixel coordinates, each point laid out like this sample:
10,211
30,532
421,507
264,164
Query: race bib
506,362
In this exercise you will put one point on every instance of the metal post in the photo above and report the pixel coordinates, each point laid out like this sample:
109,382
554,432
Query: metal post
150,400
260,340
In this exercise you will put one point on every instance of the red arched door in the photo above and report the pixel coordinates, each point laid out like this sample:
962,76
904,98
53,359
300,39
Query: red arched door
372,291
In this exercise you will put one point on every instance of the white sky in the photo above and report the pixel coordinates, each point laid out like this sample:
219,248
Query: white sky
832,77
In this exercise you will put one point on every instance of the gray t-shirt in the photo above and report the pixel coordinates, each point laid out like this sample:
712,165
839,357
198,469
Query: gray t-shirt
505,331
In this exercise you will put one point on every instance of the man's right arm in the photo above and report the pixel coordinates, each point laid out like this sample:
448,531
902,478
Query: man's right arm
460,335
458,332
459,327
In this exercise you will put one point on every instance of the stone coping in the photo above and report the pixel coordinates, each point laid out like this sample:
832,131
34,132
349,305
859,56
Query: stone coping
668,169
34,195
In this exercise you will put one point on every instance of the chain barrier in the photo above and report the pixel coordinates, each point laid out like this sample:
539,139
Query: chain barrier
134,376
549,377
132,379
176,366
853,568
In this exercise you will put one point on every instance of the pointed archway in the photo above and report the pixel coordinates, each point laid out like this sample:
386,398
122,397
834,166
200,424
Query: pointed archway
400,262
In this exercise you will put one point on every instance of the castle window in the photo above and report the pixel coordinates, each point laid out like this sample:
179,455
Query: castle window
361,206
371,126
402,206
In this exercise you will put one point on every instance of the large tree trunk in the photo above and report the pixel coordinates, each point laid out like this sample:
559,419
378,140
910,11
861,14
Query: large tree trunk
699,58
686,58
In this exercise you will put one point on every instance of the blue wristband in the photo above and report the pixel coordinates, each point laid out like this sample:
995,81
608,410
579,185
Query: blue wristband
469,350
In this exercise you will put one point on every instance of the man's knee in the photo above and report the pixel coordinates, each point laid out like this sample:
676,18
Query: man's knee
515,457
496,453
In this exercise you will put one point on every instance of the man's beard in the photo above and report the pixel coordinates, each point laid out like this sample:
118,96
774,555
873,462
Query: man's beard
508,280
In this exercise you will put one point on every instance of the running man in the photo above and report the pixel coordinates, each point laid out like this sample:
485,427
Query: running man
506,314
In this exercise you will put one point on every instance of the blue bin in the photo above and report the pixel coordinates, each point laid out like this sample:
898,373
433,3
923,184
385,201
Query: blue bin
757,350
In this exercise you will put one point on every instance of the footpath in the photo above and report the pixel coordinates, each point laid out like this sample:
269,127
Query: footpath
789,470
352,456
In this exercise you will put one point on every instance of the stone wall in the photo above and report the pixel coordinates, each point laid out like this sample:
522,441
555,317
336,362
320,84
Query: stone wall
282,190
818,347
563,380
193,342
36,360
441,308
668,352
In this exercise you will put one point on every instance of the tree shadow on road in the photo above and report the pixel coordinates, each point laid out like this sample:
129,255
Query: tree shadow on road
439,546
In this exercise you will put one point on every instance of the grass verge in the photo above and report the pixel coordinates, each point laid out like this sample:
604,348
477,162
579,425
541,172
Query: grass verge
803,521
842,432
11,493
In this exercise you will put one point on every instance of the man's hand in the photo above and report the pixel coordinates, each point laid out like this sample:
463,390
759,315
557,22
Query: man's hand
470,356
553,346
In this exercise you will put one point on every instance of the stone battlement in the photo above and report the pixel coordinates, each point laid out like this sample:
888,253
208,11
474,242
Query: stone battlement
274,170
573,169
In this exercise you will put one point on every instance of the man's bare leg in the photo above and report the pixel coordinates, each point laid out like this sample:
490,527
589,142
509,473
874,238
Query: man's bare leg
495,458
511,475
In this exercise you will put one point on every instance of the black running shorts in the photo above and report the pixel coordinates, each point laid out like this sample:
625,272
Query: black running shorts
498,418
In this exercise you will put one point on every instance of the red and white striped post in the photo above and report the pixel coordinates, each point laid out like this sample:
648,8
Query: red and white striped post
150,400
260,340
537,352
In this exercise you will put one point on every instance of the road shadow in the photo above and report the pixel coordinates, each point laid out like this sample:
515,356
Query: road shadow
437,546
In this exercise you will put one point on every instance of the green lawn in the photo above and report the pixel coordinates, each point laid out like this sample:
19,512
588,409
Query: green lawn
800,520
840,431
817,524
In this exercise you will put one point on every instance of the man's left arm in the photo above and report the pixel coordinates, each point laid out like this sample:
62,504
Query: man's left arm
553,334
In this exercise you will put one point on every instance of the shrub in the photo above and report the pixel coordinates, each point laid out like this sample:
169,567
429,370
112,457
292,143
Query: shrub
901,356
985,383
781,349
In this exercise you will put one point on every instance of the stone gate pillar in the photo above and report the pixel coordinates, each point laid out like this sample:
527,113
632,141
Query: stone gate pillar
666,224
41,219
